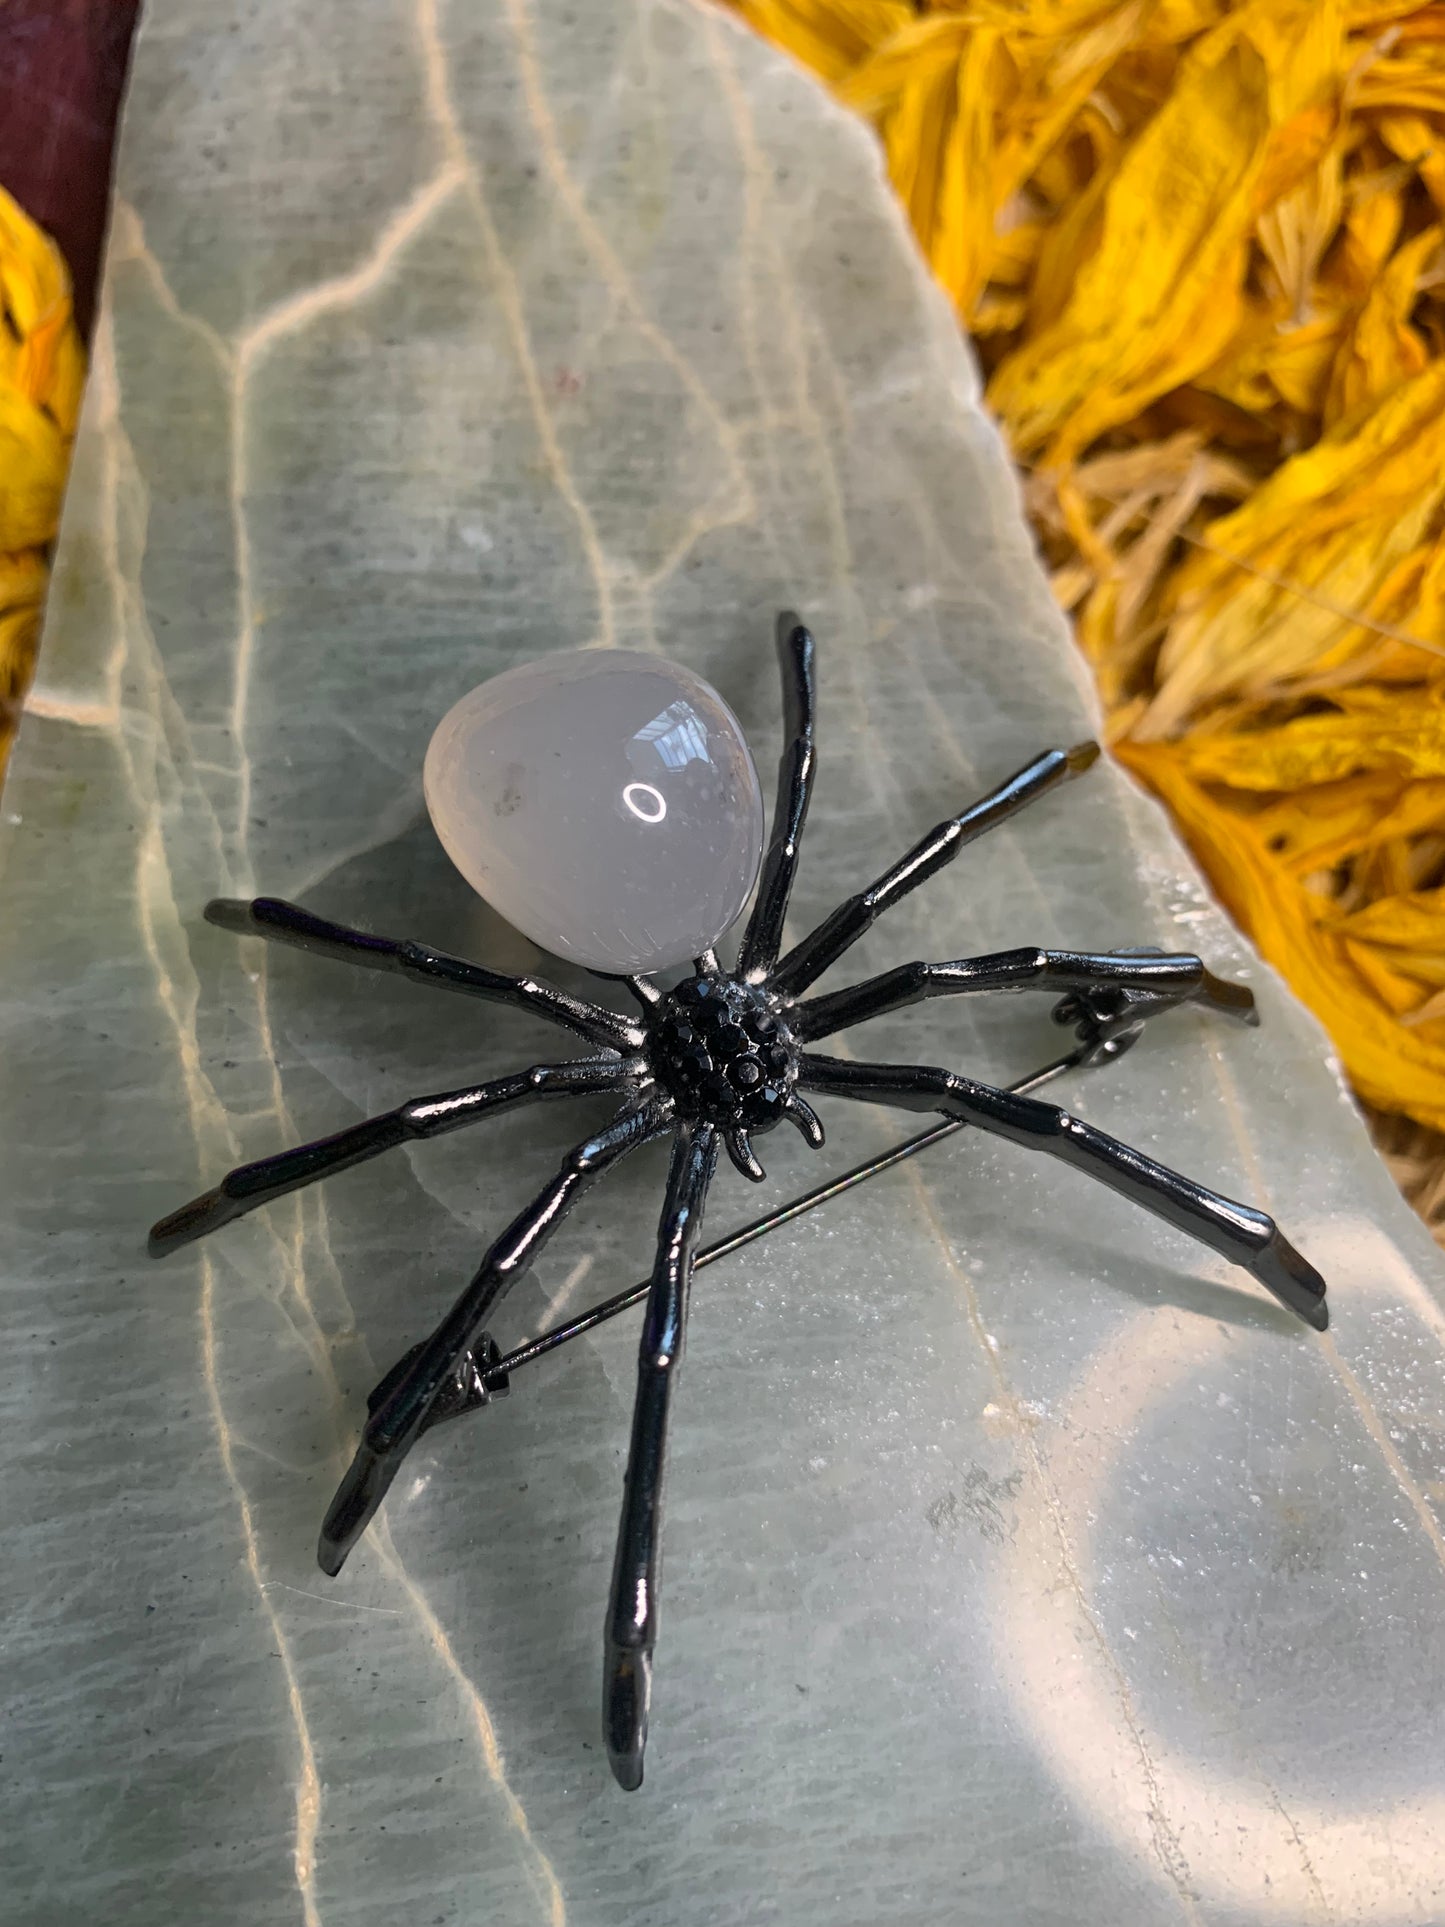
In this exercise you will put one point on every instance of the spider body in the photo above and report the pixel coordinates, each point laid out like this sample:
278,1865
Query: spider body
724,1052
712,1062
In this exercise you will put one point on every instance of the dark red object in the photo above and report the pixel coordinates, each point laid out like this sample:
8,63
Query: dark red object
62,72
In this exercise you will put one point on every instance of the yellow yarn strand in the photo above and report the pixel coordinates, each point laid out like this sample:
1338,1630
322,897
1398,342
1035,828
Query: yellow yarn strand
1198,246
42,369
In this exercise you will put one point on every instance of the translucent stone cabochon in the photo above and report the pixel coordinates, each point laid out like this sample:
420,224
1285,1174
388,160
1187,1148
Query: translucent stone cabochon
605,802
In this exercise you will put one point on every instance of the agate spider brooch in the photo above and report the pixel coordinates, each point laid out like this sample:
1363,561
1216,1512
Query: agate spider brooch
711,1062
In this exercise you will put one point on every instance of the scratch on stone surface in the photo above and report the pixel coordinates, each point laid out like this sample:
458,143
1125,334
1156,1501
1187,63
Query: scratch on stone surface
1165,1840
243,1442
331,1600
443,112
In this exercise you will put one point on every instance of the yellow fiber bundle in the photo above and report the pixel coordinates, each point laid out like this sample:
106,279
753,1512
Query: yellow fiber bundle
42,368
1198,245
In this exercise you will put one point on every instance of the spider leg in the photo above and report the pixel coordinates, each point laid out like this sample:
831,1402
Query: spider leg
1236,1231
764,934
645,991
632,1610
807,960
739,1147
435,1370
250,1185
287,923
1155,979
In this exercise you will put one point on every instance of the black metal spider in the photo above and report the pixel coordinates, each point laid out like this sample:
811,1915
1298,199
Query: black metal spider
715,1061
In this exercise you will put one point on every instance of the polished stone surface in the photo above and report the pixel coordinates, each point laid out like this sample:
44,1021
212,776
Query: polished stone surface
604,802
1024,1564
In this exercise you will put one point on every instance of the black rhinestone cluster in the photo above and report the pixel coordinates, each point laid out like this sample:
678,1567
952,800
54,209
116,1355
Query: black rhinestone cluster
723,1051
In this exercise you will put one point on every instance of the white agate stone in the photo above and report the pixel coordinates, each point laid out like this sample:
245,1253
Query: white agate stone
605,802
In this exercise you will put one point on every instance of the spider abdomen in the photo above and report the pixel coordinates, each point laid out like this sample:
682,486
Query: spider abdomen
605,802
724,1053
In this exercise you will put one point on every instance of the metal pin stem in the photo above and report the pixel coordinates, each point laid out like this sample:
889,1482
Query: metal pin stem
496,1376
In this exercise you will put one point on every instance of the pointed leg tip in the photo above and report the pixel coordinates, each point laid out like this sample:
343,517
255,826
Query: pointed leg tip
190,1222
801,1113
357,1500
1082,756
624,1713
1293,1280
740,1150
329,1556
1230,999
230,913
